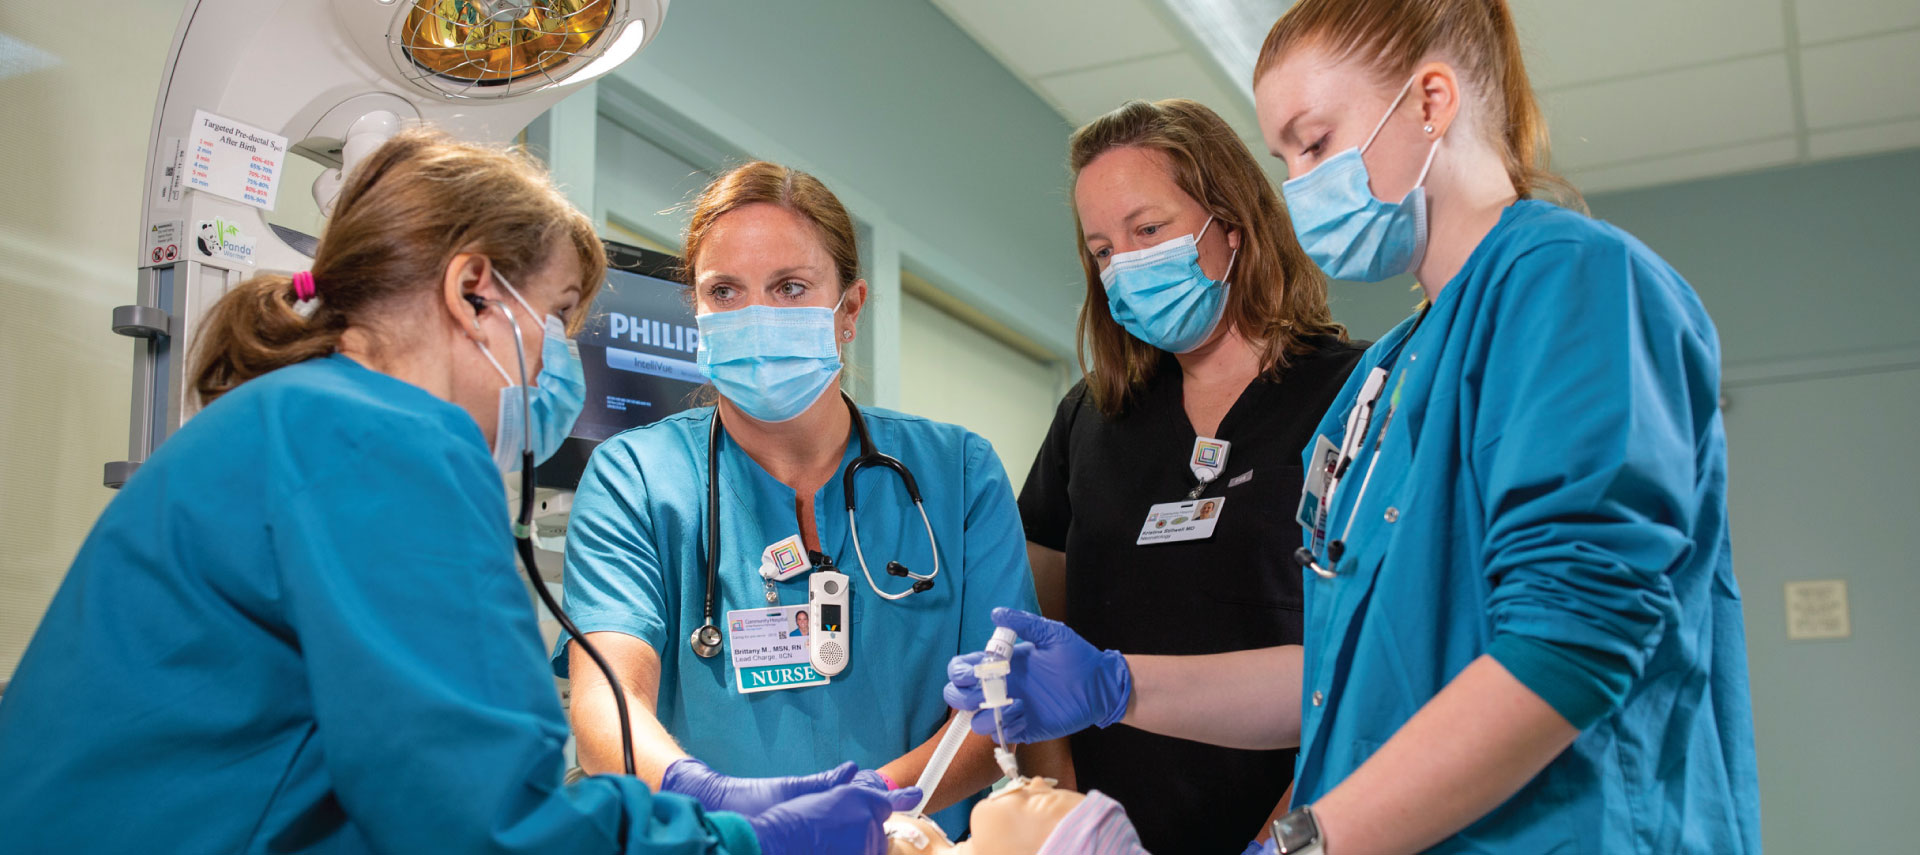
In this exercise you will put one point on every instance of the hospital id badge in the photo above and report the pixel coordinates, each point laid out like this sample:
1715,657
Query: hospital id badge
769,649
1173,522
1320,466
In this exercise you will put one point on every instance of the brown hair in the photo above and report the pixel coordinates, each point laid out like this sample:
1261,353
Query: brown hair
771,183
1279,298
1477,35
417,201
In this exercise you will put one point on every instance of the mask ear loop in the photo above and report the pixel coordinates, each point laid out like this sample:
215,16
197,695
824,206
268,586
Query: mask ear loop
1230,259
1431,150
1390,108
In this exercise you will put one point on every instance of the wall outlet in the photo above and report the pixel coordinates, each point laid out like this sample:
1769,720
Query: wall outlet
1818,609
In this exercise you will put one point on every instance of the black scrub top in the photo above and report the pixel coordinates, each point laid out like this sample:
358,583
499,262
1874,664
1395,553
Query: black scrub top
1088,495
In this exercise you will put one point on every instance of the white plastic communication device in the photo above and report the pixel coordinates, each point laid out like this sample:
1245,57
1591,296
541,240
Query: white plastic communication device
830,645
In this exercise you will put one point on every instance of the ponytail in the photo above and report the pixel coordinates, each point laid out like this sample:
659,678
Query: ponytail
1527,149
255,329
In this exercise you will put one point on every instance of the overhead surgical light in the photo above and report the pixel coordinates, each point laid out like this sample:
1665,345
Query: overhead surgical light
498,48
249,83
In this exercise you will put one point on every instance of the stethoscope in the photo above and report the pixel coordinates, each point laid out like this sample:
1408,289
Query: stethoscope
523,529
706,640
1359,420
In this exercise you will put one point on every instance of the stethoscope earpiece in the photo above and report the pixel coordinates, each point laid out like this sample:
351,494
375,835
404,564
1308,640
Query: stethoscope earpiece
1304,558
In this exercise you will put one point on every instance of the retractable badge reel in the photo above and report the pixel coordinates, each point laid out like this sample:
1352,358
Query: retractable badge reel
782,560
1209,457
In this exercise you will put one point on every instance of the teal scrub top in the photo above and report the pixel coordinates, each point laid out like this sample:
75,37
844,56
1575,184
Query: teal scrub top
636,564
299,628
1551,491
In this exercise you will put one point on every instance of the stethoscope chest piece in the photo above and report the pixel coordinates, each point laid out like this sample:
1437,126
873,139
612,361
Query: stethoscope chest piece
706,641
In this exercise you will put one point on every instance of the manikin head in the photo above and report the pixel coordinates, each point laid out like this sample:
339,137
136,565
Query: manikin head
1022,818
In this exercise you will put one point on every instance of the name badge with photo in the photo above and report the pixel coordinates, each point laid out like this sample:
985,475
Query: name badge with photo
769,649
1173,522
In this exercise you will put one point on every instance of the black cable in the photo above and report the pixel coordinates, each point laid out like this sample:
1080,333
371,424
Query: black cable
713,514
524,544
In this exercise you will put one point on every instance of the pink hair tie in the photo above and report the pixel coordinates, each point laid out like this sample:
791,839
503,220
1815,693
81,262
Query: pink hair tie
303,285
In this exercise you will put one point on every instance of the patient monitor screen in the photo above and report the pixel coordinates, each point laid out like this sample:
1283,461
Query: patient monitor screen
638,353
638,349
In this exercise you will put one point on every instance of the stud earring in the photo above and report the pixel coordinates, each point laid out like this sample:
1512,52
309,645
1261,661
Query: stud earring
1428,129
846,335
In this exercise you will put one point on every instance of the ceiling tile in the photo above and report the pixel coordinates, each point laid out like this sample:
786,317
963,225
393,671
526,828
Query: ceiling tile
1671,113
1666,170
1035,39
1866,80
1837,19
1872,139
1570,42
1085,95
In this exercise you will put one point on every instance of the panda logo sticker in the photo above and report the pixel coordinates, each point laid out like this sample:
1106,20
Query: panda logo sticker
218,238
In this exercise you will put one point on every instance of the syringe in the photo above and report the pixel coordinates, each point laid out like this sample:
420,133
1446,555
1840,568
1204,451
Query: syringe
992,672
999,648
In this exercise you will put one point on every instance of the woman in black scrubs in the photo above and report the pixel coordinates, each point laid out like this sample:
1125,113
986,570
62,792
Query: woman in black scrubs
1210,356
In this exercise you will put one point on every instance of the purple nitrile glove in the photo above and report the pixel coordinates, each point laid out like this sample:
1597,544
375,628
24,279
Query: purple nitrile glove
1261,847
846,819
875,780
746,796
1058,683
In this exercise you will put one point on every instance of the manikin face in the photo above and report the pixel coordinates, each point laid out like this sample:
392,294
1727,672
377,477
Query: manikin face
1014,821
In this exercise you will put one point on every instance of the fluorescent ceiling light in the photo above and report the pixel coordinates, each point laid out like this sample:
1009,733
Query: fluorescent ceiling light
18,57
1231,31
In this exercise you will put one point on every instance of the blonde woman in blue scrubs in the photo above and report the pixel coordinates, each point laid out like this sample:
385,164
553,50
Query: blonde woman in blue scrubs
1523,633
773,266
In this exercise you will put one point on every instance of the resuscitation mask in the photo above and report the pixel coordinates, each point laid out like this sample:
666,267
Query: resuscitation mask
548,410
772,362
1347,231
1160,296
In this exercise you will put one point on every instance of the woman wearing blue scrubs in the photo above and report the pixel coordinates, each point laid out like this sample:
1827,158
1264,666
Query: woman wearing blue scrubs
773,267
1523,633
299,627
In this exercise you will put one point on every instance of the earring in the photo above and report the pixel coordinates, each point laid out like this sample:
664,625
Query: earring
846,335
1428,129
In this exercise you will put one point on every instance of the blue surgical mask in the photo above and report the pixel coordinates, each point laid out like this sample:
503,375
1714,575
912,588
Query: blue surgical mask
1347,231
557,395
771,362
1159,295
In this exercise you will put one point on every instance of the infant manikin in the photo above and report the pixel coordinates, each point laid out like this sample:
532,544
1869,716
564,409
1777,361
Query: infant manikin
1026,817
